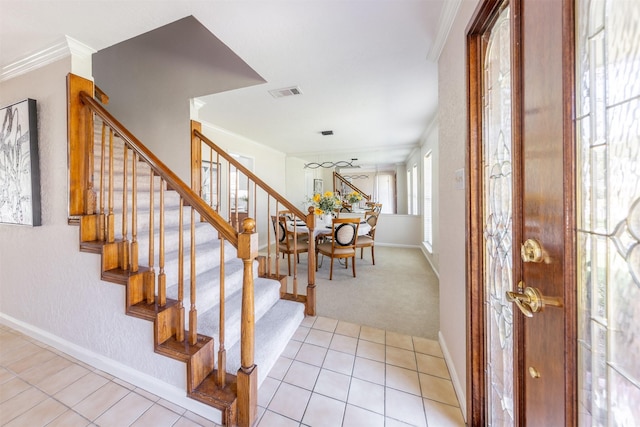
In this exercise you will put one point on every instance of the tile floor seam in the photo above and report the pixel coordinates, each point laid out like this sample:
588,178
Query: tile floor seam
107,409
48,395
21,413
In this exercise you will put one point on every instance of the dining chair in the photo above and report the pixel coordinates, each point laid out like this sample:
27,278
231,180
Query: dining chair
344,233
287,243
369,239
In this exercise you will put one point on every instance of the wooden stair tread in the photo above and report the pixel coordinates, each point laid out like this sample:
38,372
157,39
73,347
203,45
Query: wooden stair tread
296,298
94,247
182,351
210,393
142,310
120,276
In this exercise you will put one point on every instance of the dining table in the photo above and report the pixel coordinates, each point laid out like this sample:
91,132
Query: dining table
300,227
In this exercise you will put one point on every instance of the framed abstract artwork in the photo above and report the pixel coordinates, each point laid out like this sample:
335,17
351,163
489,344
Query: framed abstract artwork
317,186
19,164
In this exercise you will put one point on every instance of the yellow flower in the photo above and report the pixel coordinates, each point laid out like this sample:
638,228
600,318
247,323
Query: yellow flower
354,197
325,203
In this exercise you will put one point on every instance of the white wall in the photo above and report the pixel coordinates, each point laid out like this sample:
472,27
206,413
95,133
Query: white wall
51,290
296,183
398,230
452,137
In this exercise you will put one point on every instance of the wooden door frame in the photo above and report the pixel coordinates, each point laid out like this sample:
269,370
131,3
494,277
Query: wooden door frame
482,20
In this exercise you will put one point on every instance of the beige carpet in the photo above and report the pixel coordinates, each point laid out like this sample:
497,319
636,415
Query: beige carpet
399,293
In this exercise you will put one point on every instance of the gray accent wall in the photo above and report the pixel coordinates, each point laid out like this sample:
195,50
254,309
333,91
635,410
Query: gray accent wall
151,78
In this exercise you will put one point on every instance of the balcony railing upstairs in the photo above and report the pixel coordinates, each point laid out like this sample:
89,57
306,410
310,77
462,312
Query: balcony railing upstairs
233,191
343,186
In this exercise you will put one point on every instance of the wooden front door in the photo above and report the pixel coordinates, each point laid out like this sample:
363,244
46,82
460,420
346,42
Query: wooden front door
521,257
548,215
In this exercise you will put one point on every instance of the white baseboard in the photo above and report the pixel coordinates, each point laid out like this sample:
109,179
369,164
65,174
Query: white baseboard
396,245
151,384
460,392
426,255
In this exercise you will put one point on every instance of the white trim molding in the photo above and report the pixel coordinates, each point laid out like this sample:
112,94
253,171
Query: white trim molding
460,392
447,16
80,54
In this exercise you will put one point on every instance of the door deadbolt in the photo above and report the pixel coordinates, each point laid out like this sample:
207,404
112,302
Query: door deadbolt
531,251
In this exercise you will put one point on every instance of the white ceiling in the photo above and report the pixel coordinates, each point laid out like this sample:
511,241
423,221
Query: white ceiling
367,68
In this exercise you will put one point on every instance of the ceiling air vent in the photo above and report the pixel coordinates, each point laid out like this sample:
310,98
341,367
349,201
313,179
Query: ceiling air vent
286,91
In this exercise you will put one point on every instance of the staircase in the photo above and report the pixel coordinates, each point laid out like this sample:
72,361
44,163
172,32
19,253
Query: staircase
184,267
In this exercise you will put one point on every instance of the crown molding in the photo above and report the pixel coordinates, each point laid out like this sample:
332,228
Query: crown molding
447,16
59,50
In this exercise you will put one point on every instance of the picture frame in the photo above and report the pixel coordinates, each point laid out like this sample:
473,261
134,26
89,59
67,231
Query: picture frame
317,186
19,164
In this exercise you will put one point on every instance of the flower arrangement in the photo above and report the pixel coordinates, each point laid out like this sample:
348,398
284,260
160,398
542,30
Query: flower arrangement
325,203
354,197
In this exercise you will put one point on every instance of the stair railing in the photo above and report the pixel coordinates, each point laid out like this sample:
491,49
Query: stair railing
95,210
339,180
224,178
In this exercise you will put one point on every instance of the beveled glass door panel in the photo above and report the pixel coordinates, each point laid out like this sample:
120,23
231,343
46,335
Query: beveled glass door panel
497,163
608,138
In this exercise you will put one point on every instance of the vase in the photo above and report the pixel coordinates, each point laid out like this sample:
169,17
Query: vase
324,220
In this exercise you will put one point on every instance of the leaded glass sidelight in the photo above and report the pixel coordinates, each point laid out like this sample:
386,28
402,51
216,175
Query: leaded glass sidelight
608,187
497,218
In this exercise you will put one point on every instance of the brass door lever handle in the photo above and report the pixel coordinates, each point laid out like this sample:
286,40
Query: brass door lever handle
531,300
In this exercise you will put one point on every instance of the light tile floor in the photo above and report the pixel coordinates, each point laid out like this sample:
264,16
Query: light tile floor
41,386
332,373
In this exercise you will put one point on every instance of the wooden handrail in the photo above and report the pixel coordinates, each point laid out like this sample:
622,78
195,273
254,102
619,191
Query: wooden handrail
342,179
100,95
160,169
199,146
260,183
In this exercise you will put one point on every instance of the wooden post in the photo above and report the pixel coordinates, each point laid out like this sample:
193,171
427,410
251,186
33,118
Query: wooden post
196,158
80,120
310,308
248,372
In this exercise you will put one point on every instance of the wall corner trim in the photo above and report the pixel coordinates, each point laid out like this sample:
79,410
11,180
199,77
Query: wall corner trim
460,392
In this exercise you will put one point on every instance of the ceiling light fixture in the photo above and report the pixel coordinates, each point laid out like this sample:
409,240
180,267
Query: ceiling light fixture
327,132
338,164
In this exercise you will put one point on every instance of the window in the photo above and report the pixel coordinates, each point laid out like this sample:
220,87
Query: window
409,198
413,195
427,214
385,189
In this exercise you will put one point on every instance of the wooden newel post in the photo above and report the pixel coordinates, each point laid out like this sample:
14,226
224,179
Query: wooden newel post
310,308
80,135
248,372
